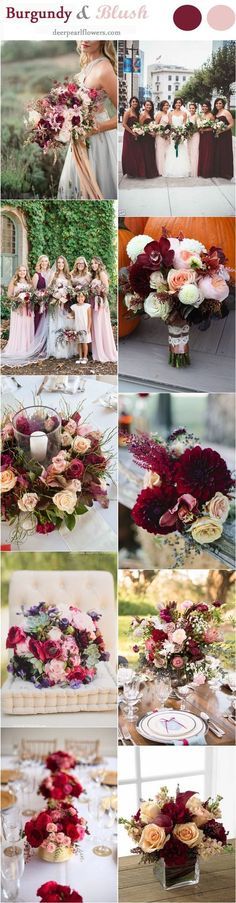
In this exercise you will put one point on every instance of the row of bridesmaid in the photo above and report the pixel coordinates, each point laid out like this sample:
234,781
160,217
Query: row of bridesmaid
200,155
76,316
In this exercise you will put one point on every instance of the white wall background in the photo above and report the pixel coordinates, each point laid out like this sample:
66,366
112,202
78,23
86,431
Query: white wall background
13,736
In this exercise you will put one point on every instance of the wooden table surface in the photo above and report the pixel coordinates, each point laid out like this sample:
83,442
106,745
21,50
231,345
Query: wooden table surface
138,885
203,699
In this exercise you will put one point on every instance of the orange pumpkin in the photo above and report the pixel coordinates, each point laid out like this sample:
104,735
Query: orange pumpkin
126,324
136,224
212,230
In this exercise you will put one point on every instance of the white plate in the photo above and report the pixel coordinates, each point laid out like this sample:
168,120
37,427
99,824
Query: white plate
168,725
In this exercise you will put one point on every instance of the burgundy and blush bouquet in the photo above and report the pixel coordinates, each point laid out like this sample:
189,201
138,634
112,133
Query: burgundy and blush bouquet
66,112
60,760
187,488
58,646
60,786
182,641
52,892
177,280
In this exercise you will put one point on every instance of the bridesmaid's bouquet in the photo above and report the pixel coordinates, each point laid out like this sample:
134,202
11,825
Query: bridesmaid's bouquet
66,112
22,302
97,293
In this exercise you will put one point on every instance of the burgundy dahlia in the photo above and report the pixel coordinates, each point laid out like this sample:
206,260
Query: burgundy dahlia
202,472
149,507
216,831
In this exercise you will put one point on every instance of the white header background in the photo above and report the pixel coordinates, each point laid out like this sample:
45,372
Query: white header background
124,19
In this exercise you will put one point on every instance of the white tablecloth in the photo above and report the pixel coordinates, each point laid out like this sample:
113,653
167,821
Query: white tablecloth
95,878
96,530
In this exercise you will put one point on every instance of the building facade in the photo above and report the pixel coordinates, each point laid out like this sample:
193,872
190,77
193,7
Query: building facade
130,72
165,82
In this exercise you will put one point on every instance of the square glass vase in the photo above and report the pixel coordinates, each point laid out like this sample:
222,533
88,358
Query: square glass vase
180,876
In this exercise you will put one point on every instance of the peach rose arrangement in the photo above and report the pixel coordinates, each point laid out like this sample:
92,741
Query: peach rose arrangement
177,280
37,498
176,830
187,488
184,643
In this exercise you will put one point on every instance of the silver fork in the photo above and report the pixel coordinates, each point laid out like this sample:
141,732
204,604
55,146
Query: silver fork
127,736
120,736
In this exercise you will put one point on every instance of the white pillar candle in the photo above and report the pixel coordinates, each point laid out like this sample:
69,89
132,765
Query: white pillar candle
38,445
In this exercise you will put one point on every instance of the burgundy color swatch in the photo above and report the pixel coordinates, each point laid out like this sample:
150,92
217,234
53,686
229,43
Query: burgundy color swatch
187,17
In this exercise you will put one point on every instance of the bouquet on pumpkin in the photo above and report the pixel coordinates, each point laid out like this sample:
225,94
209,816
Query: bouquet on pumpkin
60,761
41,499
52,892
66,112
182,642
55,828
58,646
187,488
171,828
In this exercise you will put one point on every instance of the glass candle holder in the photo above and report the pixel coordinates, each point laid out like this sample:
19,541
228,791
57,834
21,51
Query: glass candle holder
37,431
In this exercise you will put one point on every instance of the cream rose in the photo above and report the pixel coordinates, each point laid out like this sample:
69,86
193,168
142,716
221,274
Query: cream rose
201,815
158,282
219,506
155,307
59,463
153,838
71,427
178,636
66,440
65,501
7,480
74,485
81,445
206,529
28,501
151,479
188,833
177,278
148,811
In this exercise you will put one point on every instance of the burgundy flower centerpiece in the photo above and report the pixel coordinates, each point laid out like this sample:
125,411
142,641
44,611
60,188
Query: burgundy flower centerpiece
176,280
60,786
173,833
56,832
60,761
52,892
37,431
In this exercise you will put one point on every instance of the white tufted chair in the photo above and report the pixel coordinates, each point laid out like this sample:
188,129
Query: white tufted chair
86,589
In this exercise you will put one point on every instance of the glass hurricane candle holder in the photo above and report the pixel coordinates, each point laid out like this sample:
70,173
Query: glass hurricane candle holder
37,431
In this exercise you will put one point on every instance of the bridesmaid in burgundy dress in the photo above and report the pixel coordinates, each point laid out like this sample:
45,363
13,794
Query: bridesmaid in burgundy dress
206,144
39,282
148,142
223,146
132,156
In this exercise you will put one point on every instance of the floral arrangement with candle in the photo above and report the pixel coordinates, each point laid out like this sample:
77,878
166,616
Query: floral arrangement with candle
177,280
60,760
56,828
183,643
58,645
170,828
60,786
51,892
187,488
40,497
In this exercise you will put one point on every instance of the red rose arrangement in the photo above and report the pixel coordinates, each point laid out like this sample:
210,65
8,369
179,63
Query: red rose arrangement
57,827
186,488
174,828
60,760
51,892
60,786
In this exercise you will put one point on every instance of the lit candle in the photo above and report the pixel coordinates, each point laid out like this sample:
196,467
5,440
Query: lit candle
38,445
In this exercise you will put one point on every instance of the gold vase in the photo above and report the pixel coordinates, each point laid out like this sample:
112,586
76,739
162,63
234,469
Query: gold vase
61,854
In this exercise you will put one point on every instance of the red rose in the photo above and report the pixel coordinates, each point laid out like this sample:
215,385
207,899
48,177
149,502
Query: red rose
45,528
77,674
195,652
33,835
75,470
15,635
42,820
96,460
60,760
51,649
159,636
37,649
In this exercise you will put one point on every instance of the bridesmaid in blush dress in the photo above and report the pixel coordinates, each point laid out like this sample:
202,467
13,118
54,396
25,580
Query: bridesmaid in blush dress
161,118
80,275
103,345
39,282
21,334
148,142
206,144
223,145
193,143
132,156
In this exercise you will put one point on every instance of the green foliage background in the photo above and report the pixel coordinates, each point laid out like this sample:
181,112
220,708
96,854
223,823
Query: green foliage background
72,228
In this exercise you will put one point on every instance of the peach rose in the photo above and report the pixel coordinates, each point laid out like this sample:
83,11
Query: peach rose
206,529
188,833
71,427
7,480
186,258
59,463
153,838
177,278
81,445
65,501
214,287
201,815
219,506
149,811
28,501
151,479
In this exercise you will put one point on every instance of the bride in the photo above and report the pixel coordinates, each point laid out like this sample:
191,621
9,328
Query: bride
97,71
177,165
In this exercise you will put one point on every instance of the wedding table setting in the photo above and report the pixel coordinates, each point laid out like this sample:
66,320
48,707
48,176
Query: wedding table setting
86,797
72,408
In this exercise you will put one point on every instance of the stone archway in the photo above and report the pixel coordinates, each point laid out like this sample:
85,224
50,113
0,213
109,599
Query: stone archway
14,247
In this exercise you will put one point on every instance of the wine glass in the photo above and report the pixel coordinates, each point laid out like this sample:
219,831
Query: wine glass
12,824
131,697
12,868
162,686
183,693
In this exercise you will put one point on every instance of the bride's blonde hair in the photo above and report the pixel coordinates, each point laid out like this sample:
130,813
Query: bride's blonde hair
39,262
107,49
75,267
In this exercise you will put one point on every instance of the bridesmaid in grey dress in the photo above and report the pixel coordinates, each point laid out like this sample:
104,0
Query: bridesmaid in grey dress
98,71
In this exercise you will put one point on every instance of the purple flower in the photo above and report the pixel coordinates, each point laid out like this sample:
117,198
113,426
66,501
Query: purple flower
10,667
35,609
94,615
104,657
64,623
135,648
75,684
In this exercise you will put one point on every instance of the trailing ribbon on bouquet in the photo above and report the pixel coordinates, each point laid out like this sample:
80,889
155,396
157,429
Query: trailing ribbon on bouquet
88,182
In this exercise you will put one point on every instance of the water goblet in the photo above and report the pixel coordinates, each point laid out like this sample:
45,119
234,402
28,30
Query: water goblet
131,697
12,868
12,824
162,689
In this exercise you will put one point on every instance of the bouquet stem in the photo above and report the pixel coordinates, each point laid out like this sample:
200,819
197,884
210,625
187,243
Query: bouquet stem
179,355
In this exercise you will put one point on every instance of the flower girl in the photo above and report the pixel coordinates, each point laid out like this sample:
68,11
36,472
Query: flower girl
83,321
